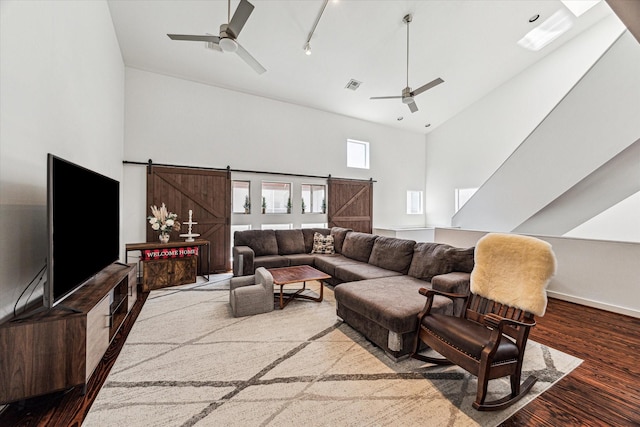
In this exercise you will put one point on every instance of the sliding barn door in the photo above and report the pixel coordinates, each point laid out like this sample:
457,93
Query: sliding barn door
351,204
205,192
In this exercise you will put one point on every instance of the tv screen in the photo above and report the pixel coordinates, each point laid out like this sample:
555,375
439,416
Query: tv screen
83,224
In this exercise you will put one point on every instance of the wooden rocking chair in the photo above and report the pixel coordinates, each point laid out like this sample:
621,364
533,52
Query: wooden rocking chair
508,288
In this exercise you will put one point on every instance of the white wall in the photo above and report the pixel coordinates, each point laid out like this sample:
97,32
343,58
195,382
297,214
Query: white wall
580,160
613,224
175,121
62,86
477,141
596,273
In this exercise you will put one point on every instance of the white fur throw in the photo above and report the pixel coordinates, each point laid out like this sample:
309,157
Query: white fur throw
513,270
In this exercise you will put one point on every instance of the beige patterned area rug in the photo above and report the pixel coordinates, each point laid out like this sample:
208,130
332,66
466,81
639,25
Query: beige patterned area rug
189,362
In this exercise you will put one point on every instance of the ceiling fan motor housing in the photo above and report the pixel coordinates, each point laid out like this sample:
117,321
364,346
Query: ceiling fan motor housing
407,97
227,39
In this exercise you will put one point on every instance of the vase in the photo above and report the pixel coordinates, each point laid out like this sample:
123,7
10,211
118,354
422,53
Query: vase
164,238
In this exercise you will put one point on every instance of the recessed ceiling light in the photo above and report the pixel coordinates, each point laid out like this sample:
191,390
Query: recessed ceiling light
400,118
427,125
534,18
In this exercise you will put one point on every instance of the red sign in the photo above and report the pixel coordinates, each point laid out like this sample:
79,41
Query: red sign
169,253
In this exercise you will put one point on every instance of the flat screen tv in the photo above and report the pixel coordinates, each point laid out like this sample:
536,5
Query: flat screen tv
83,226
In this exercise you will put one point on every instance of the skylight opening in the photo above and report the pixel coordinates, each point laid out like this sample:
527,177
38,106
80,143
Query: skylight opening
578,7
549,30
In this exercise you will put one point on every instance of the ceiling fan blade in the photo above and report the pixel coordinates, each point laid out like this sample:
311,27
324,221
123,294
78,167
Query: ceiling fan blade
428,86
186,37
413,107
240,17
385,97
246,56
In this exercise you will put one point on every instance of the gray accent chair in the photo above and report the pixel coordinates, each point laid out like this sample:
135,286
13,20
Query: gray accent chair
251,294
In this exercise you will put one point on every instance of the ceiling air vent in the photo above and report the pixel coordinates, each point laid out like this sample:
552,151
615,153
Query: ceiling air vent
353,84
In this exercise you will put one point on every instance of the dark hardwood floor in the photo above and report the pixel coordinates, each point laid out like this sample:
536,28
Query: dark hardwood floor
603,391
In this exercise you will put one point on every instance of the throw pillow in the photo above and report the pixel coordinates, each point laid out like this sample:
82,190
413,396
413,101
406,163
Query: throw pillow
322,244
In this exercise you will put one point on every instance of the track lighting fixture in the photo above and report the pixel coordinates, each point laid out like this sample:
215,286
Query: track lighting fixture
307,45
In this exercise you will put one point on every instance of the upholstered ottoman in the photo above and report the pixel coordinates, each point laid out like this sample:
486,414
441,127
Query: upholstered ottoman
385,310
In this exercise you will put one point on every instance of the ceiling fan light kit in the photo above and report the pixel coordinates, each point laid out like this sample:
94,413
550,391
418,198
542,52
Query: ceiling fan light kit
408,95
229,32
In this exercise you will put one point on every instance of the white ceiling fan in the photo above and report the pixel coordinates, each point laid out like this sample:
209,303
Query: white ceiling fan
408,95
227,41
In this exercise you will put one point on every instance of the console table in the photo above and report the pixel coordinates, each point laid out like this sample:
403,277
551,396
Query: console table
161,272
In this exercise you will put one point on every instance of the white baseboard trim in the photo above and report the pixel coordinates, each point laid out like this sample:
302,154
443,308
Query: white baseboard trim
594,304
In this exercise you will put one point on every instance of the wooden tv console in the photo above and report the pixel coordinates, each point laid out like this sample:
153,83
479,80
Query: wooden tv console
58,349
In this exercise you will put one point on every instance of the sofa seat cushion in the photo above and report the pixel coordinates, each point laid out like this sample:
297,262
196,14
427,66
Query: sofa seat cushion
290,242
392,254
301,259
263,242
328,263
270,261
361,271
358,245
391,302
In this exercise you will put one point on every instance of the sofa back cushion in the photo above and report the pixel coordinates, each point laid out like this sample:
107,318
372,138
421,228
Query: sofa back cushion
263,242
429,259
339,235
290,242
358,245
461,259
392,254
308,234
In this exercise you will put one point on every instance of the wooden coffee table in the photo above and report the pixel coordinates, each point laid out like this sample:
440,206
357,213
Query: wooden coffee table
299,273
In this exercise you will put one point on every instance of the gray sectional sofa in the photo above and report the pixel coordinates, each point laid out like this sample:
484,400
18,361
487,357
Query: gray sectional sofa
376,279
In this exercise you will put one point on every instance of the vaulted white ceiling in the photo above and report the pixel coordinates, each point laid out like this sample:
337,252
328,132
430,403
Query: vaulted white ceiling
470,44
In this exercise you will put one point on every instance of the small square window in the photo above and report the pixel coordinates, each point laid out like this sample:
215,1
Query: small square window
277,226
357,154
314,225
414,203
314,199
240,198
276,197
462,195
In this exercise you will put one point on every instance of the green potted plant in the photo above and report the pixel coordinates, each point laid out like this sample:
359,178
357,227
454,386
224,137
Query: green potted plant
247,205
289,205
264,205
304,206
